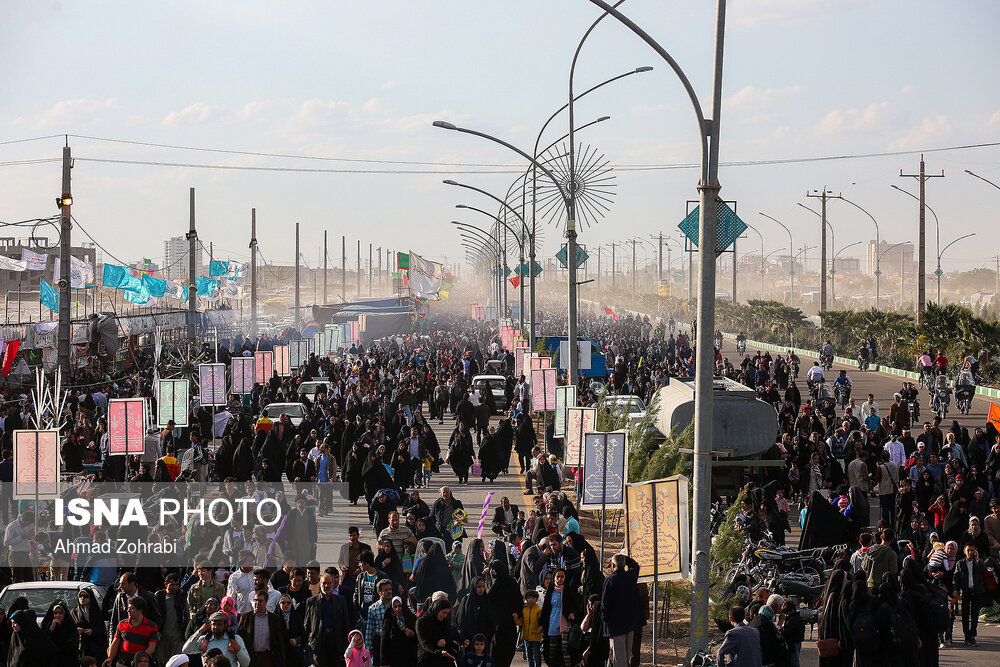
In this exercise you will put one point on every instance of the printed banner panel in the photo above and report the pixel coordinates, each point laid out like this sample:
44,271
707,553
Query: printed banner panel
244,374
172,404
127,425
605,470
36,464
519,355
281,366
565,398
656,528
543,389
578,422
298,353
263,365
212,384
319,343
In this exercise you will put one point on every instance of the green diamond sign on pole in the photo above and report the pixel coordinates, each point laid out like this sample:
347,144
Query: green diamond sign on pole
878,272
581,256
523,269
729,228
938,273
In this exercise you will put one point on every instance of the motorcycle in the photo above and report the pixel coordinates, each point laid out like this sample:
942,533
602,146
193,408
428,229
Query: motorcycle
741,348
843,394
914,406
862,362
826,361
794,366
941,397
965,389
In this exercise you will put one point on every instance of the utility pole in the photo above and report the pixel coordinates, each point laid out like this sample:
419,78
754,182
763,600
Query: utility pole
734,269
822,195
359,267
66,279
253,272
192,237
659,252
612,265
296,316
902,278
343,268
325,258
211,254
598,268
369,269
633,268
922,177
379,250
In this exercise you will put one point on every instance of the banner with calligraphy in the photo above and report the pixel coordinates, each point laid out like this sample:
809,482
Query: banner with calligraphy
212,384
263,361
605,470
578,422
543,389
244,373
656,528
281,366
565,398
126,426
298,353
172,402
36,464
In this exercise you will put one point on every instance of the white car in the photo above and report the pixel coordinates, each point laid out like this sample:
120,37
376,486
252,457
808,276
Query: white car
41,594
633,407
497,384
296,412
311,387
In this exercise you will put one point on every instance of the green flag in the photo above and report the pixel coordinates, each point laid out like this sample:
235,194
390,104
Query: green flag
403,259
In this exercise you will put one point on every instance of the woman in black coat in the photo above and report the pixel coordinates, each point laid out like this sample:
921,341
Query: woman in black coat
505,601
436,642
353,466
291,620
29,646
472,570
473,615
399,636
224,459
58,625
243,459
88,617
460,452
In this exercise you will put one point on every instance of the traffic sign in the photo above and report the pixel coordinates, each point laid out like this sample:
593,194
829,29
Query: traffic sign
581,256
938,273
523,269
878,272
729,226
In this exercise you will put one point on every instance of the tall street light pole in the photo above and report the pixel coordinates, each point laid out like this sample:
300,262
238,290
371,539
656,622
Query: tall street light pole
708,190
791,260
939,272
937,233
520,245
983,179
65,202
501,252
878,270
878,262
757,232
833,271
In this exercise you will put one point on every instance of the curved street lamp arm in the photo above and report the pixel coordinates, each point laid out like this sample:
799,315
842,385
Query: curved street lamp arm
849,245
983,179
492,196
894,245
479,234
520,241
909,194
953,243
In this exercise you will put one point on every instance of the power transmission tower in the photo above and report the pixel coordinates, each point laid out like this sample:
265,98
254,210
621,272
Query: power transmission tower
921,177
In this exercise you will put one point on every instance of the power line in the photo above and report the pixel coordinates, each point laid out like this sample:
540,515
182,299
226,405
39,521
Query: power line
190,165
21,141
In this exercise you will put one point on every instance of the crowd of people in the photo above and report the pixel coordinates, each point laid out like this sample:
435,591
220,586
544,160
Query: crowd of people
409,587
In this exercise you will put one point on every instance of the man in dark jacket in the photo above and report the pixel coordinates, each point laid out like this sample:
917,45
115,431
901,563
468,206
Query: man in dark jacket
772,646
326,624
741,647
171,605
128,588
263,633
968,581
620,607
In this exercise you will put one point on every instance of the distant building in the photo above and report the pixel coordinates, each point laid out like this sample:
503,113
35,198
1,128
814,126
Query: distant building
891,254
176,263
848,265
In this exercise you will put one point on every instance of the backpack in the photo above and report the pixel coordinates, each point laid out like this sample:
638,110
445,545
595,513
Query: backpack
864,633
904,631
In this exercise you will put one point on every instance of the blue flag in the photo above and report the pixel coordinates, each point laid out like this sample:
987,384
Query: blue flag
116,276
206,286
139,296
217,268
155,286
48,296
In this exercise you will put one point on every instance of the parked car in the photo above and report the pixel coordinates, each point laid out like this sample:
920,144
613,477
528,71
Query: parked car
296,412
497,384
41,594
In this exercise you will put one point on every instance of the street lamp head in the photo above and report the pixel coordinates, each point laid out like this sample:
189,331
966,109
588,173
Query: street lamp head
461,206
603,118
444,125
644,68
448,181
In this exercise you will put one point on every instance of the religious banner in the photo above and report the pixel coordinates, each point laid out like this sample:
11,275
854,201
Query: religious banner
33,260
565,398
212,383
355,332
543,389
36,464
281,365
126,426
545,362
519,356
333,338
319,343
584,348
605,470
425,277
578,422
172,402
656,528
536,362
298,353
263,361
520,342
244,373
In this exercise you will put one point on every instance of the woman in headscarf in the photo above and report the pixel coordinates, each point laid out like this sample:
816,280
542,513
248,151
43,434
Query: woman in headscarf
505,601
473,615
593,575
375,476
432,628
353,467
433,574
58,625
860,511
460,452
224,457
268,471
893,619
90,620
456,560
831,624
851,606
399,636
243,459
475,563
201,618
505,436
560,611
925,491
941,568
914,586
956,522
387,560
490,457
29,646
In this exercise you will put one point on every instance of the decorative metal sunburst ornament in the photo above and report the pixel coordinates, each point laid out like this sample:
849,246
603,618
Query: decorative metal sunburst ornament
593,185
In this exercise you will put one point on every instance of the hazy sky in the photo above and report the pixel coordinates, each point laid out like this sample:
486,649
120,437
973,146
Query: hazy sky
364,81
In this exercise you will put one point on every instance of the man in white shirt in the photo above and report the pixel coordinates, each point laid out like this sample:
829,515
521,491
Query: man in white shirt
868,405
241,586
897,453
815,374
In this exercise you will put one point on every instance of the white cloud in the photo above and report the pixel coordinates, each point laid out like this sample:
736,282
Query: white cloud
754,97
931,129
994,120
198,113
389,84
907,89
853,120
69,114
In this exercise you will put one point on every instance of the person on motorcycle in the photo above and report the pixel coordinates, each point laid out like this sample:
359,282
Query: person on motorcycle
791,357
941,363
864,353
718,339
828,349
911,396
843,380
972,363
815,374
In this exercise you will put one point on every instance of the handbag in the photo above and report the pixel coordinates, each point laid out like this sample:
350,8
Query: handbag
477,469
828,648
